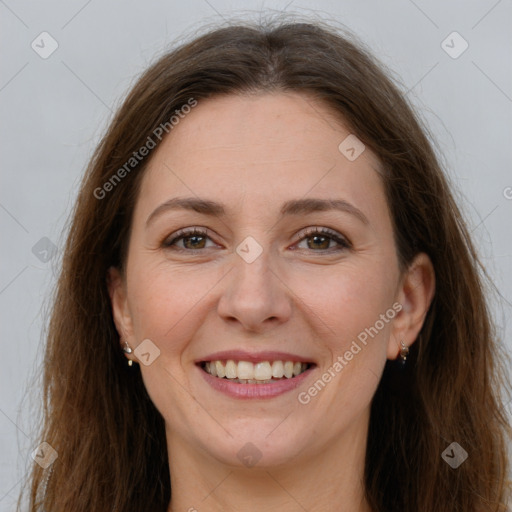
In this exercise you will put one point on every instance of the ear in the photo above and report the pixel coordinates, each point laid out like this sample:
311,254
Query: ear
415,295
120,310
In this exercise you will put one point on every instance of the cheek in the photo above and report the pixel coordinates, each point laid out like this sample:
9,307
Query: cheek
164,301
353,317
345,301
347,310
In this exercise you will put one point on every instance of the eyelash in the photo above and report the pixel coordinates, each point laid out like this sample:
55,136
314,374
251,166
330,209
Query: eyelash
343,243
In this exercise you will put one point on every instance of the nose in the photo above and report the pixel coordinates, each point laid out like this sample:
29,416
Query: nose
254,295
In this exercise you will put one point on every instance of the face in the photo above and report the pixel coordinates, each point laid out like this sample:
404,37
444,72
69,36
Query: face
280,252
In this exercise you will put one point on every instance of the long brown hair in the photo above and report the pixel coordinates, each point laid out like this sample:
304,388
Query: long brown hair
98,416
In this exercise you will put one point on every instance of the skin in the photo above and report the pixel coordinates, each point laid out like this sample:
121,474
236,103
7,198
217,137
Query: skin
307,296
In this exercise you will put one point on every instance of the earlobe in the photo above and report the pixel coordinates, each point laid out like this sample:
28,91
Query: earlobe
415,295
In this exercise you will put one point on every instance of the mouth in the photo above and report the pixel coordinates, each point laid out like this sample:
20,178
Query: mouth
245,375
261,372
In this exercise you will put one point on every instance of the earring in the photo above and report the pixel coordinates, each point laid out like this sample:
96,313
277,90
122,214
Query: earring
404,352
128,350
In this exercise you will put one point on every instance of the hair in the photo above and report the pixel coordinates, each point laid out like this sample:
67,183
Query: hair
109,436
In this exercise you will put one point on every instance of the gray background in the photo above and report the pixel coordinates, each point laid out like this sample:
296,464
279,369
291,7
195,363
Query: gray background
54,110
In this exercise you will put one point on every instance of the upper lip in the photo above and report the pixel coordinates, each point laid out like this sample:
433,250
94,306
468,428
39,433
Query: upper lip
254,357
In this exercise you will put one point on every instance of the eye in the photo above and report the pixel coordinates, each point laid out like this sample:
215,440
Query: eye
191,239
320,240
317,239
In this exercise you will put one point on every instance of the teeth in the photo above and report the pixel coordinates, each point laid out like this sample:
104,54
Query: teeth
262,371
277,369
245,372
231,369
221,369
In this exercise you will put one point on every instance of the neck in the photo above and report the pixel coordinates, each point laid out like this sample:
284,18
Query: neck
329,481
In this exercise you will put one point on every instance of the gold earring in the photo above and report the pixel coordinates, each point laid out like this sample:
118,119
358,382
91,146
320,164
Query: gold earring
128,350
404,352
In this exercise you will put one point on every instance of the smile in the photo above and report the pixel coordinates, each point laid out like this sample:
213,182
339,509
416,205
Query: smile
247,372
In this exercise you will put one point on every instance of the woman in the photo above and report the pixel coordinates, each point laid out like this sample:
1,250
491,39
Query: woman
269,299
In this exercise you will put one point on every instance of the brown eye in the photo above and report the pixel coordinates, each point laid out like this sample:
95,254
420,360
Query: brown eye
319,242
324,240
194,241
191,239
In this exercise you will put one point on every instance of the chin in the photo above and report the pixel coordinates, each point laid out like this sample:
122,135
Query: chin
255,447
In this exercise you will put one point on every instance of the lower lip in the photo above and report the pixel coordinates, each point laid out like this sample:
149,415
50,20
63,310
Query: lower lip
254,391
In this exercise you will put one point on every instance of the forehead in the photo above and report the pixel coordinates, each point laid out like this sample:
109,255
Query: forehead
254,149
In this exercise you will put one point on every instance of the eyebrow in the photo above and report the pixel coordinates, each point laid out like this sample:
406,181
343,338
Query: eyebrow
292,207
